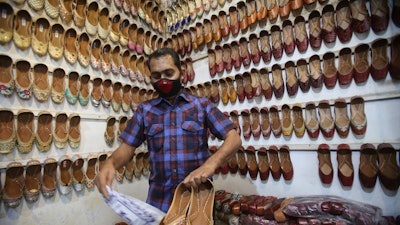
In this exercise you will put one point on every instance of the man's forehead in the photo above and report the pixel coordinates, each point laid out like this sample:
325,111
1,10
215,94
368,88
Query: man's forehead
162,62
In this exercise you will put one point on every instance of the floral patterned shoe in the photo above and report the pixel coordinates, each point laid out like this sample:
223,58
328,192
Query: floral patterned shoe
91,171
106,59
78,177
115,60
7,134
95,60
129,171
58,86
32,181
49,178
119,176
64,178
74,134
6,23
56,43
22,29
14,185
109,134
60,133
23,80
6,79
115,28
125,66
66,10
44,135
83,95
25,134
72,91
79,13
70,52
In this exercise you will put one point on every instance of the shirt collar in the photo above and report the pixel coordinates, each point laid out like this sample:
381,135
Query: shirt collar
182,96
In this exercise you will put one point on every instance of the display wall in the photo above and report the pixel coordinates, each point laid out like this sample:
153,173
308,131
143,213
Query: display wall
381,103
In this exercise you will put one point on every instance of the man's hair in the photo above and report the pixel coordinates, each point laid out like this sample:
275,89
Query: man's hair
165,51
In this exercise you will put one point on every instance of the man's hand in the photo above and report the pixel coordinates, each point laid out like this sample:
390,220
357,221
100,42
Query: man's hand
198,176
105,177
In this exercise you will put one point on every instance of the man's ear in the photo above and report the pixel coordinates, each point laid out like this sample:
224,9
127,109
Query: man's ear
183,69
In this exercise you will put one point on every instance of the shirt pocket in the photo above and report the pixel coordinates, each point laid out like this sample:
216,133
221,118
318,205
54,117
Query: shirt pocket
192,131
155,136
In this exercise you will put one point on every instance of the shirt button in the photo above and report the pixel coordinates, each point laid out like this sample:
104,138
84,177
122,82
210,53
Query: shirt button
173,124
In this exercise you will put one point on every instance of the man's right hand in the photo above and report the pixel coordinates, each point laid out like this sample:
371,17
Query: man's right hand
105,177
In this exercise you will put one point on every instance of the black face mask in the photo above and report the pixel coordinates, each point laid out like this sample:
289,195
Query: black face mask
167,88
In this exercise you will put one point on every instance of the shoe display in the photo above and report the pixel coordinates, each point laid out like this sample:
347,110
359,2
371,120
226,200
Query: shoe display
345,165
6,79
325,169
60,133
389,171
91,171
25,132
56,41
49,178
7,131
358,119
201,204
32,181
342,121
13,185
64,178
368,169
311,120
286,163
379,59
44,131
22,29
326,121
275,121
78,177
72,90
109,134
274,163
6,23
40,36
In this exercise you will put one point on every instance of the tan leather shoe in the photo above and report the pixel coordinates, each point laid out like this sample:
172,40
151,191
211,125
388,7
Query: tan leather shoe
25,132
177,212
325,169
74,133
104,23
44,131
287,125
80,13
60,133
116,100
345,69
358,119
91,171
303,75
275,121
266,87
70,51
107,93
292,83
201,204
126,97
8,131
298,120
32,180
6,23
326,121
241,161
342,121
41,86
311,120
84,49
274,163
389,171
380,59
66,10
330,70
265,123
252,165
286,162
368,169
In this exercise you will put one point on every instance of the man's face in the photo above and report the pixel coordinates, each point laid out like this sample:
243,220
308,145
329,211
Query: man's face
163,67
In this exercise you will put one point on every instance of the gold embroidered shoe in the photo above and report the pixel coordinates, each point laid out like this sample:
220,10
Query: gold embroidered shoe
104,23
107,93
129,171
115,28
44,131
6,78
7,131
92,19
56,43
97,91
58,86
40,37
14,185
41,86
49,178
78,177
25,134
60,133
126,97
23,80
91,170
22,29
79,13
66,10
74,133
32,181
83,49
36,4
52,8
109,134
64,178
6,23
95,54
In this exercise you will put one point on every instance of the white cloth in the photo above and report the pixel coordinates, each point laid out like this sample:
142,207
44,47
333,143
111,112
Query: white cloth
134,211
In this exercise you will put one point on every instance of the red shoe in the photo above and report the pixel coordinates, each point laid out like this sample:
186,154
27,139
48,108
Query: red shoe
263,164
380,59
246,123
265,124
361,20
286,162
330,71
346,69
211,62
301,34
328,24
325,170
345,165
255,122
266,52
368,169
252,165
314,22
361,63
288,37
277,46
244,51
235,55
240,87
274,163
343,21
242,161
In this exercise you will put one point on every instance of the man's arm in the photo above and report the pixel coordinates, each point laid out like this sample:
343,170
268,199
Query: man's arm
229,147
119,158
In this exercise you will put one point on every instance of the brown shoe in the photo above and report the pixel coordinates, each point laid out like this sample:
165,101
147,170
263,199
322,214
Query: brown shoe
234,117
328,24
298,120
107,93
241,161
14,185
361,20
252,165
242,15
380,59
311,120
8,134
266,87
64,177
286,163
44,131
201,204
97,91
325,169
345,165
263,163
109,134
70,42
80,13
265,123
361,63
246,127
177,213
368,169
345,69
74,133
330,71
7,82
126,97
83,95
49,178
32,180
277,80
303,75
326,122
358,119
25,133
116,100
342,121
316,72
129,171
72,90
343,21
292,85
288,37
389,171
275,121
286,121
41,86
314,22
274,163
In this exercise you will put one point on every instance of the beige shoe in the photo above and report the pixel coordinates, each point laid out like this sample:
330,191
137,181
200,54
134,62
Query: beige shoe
52,8
6,23
60,132
79,13
201,204
126,97
109,134
40,37
25,133
32,181
177,213
116,100
7,131
92,19
56,43
14,185
74,133
22,29
44,130
58,86
91,170
41,86
6,78
66,10
49,178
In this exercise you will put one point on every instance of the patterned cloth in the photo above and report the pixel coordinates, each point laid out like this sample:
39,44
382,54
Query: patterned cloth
133,210
177,140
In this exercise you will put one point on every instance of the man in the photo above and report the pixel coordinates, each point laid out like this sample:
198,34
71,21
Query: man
175,126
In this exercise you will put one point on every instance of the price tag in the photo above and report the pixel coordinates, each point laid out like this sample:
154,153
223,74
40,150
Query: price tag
41,28
23,21
4,13
56,34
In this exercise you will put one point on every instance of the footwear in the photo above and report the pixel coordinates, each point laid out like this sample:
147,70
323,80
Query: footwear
255,82
80,13
273,9
292,85
358,119
251,12
330,71
311,120
23,79
235,55
6,21
56,43
91,171
301,34
275,121
107,93
122,123
72,90
70,52
129,171
343,21
97,91
368,169
32,180
326,122
286,122
40,36
288,37
242,15
78,177
316,72
298,120
277,80
83,95
92,19
41,86
286,162
380,59
60,133
303,75
201,204
394,66
342,121
244,52
214,95
102,157
265,46
234,117
14,185
126,97
254,50
219,63
8,134
266,87
116,100
116,60
52,8
207,31
361,63
248,89
223,24
240,87
234,20
252,165
22,29
314,22
274,163
389,171
345,69
74,133
216,33
44,129
361,20
345,165
265,124
109,134
6,80
49,178
25,133
255,122
246,127
64,178
123,40
242,161
104,23
83,49
325,169
261,10
115,28
277,46
106,59
66,10
211,62
226,57
263,164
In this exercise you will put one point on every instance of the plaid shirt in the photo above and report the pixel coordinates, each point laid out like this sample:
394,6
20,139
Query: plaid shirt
177,140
